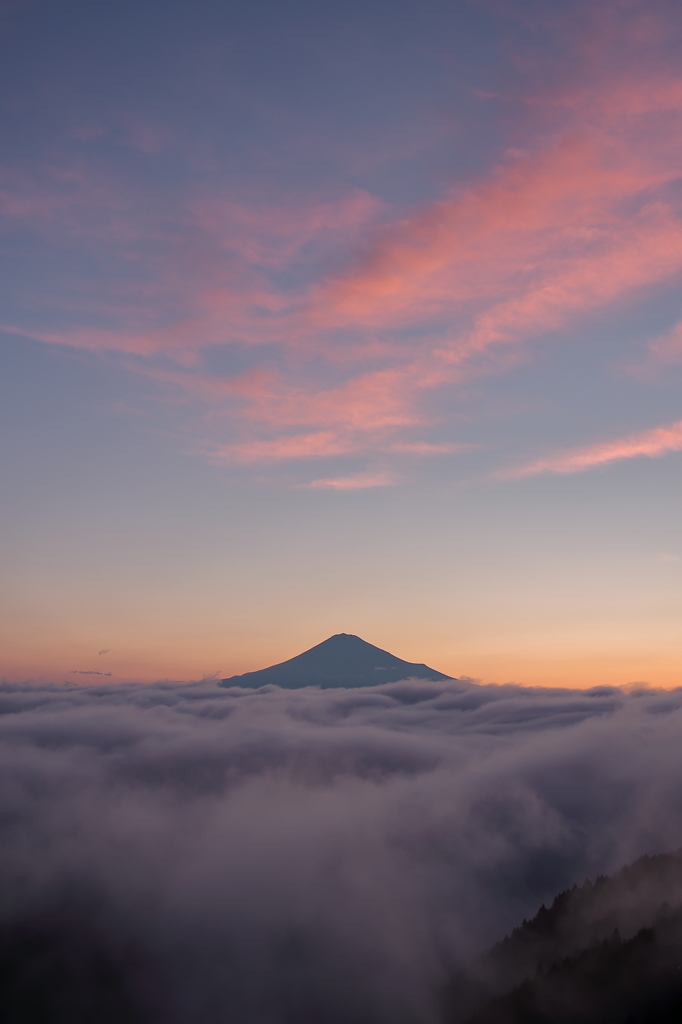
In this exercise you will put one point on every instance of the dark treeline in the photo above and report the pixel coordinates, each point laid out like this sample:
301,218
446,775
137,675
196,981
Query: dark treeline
608,953
611,982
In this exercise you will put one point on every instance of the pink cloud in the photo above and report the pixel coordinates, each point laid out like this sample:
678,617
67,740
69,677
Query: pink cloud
320,444
352,358
358,417
360,481
651,443
550,237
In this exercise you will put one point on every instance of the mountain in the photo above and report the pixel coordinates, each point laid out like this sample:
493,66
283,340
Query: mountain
343,660
608,952
609,982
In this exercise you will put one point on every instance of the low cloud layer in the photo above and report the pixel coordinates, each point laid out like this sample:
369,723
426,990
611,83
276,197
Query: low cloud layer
297,855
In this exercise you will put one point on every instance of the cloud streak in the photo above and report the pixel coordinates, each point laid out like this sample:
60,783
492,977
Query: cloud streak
650,443
353,483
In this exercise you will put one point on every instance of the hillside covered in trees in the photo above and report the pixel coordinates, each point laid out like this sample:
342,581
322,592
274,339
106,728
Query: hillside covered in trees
608,952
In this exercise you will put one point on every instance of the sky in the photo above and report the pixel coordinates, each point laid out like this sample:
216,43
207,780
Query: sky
322,317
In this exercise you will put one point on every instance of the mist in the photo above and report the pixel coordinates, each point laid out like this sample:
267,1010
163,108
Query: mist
275,856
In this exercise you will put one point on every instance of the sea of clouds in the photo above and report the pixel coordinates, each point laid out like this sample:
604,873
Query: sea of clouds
276,856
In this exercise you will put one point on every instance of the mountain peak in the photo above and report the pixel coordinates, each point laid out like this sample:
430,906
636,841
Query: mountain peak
343,660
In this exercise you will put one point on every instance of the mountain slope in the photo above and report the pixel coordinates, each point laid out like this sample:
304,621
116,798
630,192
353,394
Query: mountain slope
343,660
603,953
610,982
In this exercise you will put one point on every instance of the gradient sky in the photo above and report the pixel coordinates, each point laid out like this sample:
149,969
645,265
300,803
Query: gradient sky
321,317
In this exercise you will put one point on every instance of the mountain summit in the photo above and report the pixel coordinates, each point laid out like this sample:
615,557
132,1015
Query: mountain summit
343,660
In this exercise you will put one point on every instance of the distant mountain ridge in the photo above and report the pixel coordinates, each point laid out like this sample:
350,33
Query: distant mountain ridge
344,660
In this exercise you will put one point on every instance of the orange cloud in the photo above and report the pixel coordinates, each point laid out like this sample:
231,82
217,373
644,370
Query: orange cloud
652,443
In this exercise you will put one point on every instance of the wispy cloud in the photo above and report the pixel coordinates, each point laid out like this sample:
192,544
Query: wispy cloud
651,443
360,481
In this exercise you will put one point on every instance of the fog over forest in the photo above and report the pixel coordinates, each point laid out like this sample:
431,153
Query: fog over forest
320,854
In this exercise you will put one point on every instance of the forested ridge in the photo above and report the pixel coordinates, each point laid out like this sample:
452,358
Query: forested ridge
608,952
